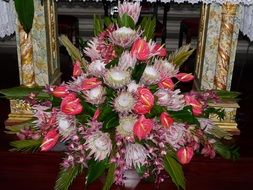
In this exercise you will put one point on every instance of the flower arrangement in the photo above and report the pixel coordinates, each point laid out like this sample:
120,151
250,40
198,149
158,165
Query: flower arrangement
122,110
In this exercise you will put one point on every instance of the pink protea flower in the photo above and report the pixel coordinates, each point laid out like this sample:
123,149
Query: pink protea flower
126,124
77,70
166,68
171,99
117,78
71,105
166,83
142,127
49,140
126,61
140,50
66,124
136,155
60,91
132,87
124,37
90,83
208,149
166,120
95,95
197,107
92,51
99,144
150,75
97,68
184,77
124,102
185,154
130,8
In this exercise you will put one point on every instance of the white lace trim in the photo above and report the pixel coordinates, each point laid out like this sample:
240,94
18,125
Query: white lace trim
247,21
7,18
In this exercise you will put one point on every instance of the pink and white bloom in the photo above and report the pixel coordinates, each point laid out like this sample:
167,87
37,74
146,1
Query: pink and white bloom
136,155
71,105
90,83
126,124
150,75
124,102
66,124
130,8
142,127
95,95
97,68
126,61
166,68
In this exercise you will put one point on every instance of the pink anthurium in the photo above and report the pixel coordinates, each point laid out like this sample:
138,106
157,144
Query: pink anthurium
71,105
143,127
77,70
197,107
60,91
184,77
159,50
145,96
141,108
166,120
90,83
185,154
166,83
49,140
140,50
96,114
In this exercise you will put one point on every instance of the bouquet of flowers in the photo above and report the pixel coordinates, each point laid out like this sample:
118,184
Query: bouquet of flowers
122,110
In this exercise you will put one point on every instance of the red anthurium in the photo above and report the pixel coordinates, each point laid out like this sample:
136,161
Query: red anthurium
49,140
185,155
145,96
166,120
141,108
143,127
140,50
60,91
90,83
184,77
166,83
77,71
197,107
159,50
71,105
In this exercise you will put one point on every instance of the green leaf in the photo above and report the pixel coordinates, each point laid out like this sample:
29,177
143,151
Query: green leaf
227,152
174,169
112,63
107,21
227,95
20,92
184,115
25,12
220,133
14,129
155,111
126,20
66,177
138,71
26,145
148,27
110,177
97,24
96,169
181,55
211,110
111,122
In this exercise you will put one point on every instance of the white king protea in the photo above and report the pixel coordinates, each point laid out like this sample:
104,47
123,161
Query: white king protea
97,68
165,67
124,102
126,124
150,75
66,124
124,37
117,78
132,9
99,144
126,60
136,155
95,95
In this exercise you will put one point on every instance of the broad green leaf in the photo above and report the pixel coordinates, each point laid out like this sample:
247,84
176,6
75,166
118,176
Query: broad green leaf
227,95
112,63
148,27
174,169
107,21
138,71
227,152
26,145
155,111
25,12
220,133
184,115
14,129
97,24
127,21
96,169
111,122
110,177
211,110
181,55
66,177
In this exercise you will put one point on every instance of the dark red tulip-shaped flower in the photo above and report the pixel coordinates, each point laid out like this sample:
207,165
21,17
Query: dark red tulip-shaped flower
143,127
60,91
49,140
140,50
166,83
185,155
159,50
71,105
166,120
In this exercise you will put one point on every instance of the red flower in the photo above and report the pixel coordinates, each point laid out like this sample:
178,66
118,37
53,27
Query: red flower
159,50
142,127
197,107
145,96
184,77
166,120
166,83
90,83
60,91
77,71
140,50
141,108
185,155
71,105
96,115
49,140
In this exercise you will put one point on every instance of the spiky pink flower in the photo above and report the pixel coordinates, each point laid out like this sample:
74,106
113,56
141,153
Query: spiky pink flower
132,87
166,83
150,75
99,144
77,70
97,68
208,149
166,68
142,127
92,51
66,124
126,61
95,95
124,102
123,37
126,124
90,83
136,155
131,9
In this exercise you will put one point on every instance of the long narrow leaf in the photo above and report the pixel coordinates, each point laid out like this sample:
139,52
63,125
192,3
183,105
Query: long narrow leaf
110,177
96,169
26,145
